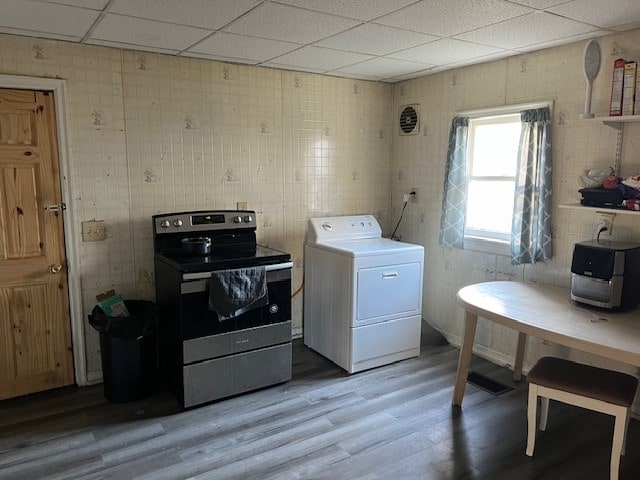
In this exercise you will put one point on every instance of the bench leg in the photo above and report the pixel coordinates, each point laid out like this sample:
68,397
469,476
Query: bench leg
619,430
544,413
626,427
532,408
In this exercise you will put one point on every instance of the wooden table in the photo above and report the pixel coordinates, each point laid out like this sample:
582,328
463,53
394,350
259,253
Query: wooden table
549,314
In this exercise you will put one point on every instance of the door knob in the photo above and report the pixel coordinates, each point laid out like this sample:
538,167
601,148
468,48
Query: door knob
55,268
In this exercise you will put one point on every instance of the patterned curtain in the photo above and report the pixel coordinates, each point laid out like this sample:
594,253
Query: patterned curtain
454,200
531,226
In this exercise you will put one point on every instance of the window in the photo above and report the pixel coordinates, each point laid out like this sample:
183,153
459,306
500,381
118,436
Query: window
497,183
491,174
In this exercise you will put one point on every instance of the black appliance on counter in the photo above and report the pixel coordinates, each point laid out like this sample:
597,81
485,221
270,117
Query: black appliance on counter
201,356
606,274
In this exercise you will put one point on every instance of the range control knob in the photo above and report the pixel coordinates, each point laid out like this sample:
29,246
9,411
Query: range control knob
237,219
248,219
165,224
177,223
273,308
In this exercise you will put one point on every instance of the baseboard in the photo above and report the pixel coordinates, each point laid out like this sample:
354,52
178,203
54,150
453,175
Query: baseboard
94,377
486,353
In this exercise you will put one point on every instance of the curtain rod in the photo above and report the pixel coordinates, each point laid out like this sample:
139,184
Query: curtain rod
486,112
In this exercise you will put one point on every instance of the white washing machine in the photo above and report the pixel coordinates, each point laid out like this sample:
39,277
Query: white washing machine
363,293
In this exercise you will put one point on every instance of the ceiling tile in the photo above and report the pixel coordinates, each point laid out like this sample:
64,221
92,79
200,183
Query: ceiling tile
450,17
444,51
31,33
46,17
92,4
532,29
115,44
408,76
336,73
147,33
319,58
502,54
231,45
383,67
562,41
196,13
358,9
602,13
220,58
375,39
539,4
291,67
281,22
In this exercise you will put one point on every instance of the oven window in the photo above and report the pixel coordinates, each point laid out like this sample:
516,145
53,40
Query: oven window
198,321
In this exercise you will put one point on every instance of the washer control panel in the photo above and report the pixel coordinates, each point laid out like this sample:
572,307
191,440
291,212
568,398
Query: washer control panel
350,227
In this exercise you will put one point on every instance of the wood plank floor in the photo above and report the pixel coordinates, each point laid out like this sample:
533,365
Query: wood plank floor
393,422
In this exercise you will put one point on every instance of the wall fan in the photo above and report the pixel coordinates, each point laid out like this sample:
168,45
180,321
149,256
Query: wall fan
409,120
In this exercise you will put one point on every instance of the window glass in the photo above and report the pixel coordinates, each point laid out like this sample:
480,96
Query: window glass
490,207
493,152
494,148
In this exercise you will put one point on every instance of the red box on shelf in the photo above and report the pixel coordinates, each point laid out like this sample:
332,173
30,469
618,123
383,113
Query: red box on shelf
615,108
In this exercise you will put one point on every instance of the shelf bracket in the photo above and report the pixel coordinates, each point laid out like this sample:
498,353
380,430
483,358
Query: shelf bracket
615,125
618,160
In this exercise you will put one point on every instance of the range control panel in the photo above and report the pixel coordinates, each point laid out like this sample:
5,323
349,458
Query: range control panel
203,221
349,227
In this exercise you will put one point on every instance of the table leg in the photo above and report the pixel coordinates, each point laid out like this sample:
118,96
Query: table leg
464,360
517,365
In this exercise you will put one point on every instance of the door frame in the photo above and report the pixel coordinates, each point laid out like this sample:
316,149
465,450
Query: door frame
58,87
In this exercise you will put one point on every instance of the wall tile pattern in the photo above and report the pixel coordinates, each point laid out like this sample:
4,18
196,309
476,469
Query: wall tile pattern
418,161
151,133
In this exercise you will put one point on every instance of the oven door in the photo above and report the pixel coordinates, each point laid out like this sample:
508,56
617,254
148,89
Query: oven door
196,320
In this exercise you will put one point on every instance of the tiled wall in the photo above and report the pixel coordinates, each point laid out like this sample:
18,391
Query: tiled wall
418,161
152,133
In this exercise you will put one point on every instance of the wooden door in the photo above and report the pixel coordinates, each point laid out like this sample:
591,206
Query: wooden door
35,337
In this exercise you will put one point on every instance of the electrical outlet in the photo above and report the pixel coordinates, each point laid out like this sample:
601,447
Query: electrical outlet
93,231
414,197
605,220
241,205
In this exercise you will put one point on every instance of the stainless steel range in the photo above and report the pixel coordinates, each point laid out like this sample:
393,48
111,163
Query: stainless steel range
206,350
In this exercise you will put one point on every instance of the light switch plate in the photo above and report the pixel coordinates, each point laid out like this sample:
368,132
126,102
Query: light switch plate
93,231
241,205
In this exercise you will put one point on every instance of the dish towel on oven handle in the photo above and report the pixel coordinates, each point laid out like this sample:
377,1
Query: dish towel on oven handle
233,292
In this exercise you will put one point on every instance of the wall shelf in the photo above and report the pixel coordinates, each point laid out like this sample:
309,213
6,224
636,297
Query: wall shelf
608,211
614,122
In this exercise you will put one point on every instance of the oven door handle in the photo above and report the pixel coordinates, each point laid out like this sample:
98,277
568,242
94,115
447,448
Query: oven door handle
268,268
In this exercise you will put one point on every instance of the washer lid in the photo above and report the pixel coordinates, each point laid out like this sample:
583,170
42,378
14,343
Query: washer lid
368,246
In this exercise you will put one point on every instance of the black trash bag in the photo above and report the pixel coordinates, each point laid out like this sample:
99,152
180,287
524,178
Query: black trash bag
128,350
141,322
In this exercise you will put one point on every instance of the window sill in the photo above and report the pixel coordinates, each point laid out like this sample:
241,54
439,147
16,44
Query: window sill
486,245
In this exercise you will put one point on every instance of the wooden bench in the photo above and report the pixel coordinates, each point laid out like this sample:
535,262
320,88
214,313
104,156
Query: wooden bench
585,386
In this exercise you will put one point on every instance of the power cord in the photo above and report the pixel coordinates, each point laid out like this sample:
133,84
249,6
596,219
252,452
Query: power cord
602,229
399,220
406,197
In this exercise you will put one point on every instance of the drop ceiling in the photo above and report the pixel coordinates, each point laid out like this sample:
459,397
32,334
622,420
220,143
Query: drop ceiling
384,40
